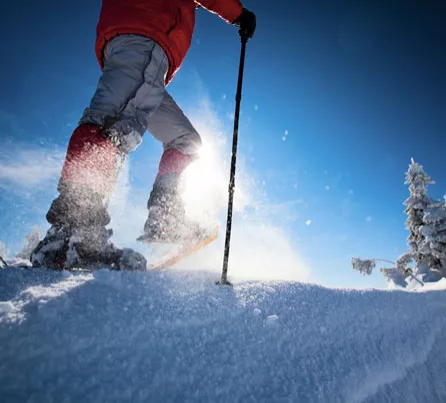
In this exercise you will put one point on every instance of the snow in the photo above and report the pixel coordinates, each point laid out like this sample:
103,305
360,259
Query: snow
438,285
175,336
272,320
18,262
6,307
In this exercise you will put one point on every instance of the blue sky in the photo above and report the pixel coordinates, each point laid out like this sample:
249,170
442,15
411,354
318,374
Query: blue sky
338,96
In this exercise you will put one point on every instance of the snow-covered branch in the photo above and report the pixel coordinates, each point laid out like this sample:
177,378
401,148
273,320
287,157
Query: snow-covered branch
31,241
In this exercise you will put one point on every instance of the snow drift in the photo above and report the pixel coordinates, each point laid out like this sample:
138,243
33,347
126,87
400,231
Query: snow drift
176,337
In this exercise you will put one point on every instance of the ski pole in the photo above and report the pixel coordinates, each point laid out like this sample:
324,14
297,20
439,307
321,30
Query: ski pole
238,98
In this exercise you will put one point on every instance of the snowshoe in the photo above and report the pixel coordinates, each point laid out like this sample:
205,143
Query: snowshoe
64,249
185,249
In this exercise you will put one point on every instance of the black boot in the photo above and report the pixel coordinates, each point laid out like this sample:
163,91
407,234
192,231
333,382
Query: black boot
78,237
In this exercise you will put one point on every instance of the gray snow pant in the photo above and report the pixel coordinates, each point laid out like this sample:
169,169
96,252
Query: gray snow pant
131,97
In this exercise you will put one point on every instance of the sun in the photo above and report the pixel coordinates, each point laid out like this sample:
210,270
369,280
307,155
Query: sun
204,185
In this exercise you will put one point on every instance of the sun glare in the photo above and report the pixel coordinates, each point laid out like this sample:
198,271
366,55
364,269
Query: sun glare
205,185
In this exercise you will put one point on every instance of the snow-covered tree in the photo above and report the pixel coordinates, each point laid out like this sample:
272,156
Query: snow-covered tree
419,206
426,223
396,275
31,241
401,274
364,266
418,201
433,231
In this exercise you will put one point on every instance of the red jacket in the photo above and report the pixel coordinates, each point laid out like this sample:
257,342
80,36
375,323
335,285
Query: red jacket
170,23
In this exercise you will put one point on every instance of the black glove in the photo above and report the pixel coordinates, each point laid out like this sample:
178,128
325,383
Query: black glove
247,23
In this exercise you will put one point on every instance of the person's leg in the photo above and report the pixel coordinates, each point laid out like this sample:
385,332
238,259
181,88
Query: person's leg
135,71
166,221
110,128
173,129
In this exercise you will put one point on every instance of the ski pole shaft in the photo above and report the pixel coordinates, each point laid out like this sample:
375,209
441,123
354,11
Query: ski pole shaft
238,99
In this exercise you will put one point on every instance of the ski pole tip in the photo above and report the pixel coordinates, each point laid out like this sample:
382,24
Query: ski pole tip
224,282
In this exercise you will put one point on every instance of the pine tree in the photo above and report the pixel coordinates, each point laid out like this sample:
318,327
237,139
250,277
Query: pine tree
426,223
433,231
418,204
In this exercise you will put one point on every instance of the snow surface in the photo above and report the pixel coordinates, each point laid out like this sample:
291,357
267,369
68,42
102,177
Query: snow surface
177,337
